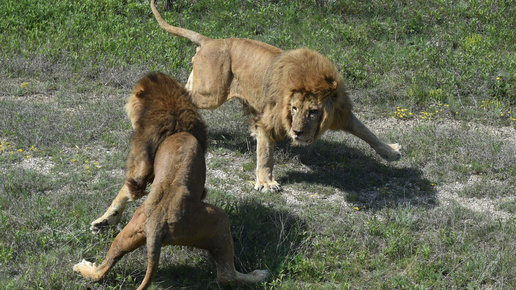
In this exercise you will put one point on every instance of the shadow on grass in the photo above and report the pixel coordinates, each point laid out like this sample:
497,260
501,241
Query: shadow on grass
367,181
264,238
239,141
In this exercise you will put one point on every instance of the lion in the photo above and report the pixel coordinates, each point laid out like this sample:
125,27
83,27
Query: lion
297,93
168,148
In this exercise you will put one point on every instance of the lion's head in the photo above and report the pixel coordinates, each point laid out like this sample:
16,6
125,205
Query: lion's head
306,114
307,93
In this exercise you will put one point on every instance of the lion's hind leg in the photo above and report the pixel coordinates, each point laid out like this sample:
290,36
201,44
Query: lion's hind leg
208,227
87,270
255,276
210,80
129,239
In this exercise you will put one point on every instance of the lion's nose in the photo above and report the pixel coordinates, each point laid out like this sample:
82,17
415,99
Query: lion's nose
297,132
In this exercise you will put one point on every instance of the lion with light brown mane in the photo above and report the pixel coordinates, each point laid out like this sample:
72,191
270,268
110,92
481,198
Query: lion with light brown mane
297,93
168,147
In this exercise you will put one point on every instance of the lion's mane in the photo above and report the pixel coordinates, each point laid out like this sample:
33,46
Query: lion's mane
158,107
307,71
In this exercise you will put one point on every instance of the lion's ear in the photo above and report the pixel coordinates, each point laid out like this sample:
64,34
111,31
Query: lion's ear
332,82
330,87
139,90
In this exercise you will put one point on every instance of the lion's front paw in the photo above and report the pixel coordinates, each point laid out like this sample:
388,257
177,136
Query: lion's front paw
106,220
395,146
395,153
98,224
391,152
267,186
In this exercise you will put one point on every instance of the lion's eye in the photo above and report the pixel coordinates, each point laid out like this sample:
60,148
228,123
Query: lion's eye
294,109
313,113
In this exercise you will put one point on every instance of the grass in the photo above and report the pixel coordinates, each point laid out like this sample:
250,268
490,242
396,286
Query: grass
439,77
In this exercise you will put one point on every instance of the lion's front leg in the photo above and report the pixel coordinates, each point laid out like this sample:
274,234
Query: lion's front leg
114,213
265,163
389,152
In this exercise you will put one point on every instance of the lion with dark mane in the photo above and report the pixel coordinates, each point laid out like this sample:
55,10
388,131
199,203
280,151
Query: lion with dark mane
168,147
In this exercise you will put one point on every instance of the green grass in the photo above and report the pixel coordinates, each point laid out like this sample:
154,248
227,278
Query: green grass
438,77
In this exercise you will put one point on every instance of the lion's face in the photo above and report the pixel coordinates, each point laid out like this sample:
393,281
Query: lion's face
306,115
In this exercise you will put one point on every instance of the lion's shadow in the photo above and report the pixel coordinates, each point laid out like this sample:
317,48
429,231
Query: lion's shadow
366,180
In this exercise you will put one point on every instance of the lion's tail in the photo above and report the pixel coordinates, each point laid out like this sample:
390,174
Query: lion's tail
193,36
158,107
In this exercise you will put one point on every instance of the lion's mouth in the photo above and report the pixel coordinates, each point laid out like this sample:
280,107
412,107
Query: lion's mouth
300,139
